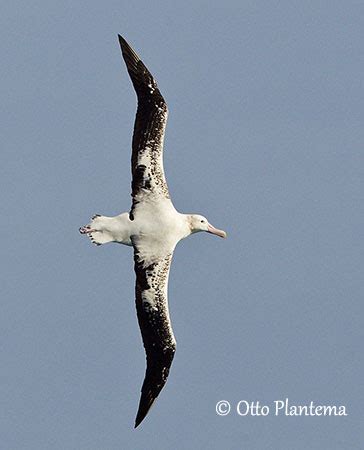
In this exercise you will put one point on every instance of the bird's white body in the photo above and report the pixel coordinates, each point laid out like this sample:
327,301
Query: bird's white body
157,226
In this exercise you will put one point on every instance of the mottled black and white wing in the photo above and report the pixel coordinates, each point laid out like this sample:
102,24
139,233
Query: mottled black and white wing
153,317
147,149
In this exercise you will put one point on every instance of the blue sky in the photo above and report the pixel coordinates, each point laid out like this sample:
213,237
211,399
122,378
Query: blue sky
265,138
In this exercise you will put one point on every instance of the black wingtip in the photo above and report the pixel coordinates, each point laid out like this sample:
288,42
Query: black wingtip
121,40
123,44
140,76
137,423
127,50
139,419
145,404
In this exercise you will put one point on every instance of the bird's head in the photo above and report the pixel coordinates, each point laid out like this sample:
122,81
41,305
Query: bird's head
200,223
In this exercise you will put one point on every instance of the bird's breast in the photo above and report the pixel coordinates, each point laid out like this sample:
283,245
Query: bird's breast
159,221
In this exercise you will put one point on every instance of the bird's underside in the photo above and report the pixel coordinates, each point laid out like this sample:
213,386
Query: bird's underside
147,227
149,185
152,227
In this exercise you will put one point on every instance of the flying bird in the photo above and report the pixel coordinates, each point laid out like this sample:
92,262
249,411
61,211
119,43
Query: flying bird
153,227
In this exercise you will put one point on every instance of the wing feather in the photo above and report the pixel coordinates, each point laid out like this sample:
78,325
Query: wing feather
149,128
153,317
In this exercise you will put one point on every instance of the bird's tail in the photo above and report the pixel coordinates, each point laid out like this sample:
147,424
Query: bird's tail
97,230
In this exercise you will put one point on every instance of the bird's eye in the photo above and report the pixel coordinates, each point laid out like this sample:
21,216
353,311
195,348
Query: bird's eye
202,221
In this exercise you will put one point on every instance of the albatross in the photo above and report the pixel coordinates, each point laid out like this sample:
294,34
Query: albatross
153,227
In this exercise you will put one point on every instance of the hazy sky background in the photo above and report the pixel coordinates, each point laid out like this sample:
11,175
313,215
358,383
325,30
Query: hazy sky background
265,137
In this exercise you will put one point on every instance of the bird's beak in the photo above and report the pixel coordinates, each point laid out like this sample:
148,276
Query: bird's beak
214,230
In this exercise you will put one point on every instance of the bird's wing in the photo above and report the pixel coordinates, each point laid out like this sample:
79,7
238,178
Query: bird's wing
147,155
153,317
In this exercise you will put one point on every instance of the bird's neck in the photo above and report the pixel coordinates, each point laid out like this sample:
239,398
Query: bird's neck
186,225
